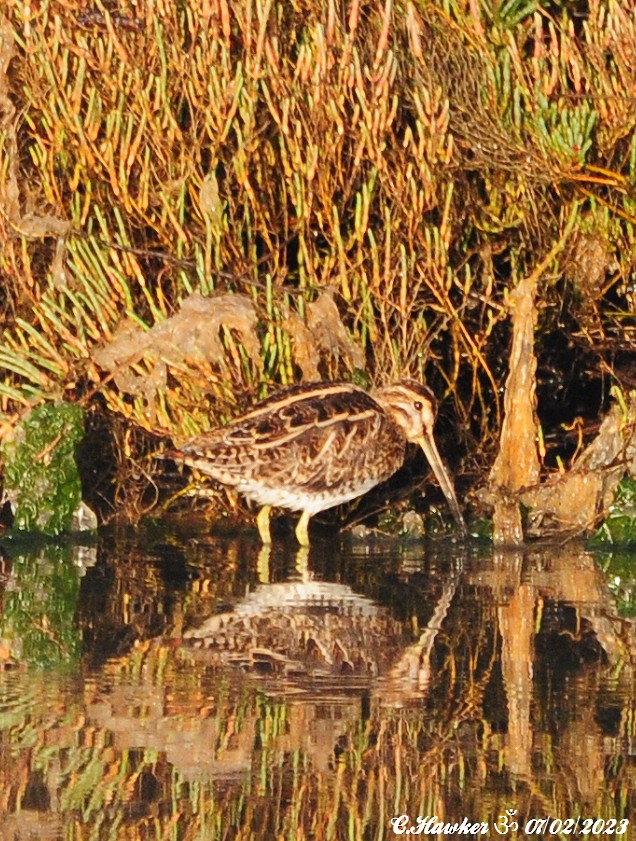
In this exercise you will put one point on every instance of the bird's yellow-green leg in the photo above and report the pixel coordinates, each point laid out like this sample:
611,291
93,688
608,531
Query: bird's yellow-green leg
262,521
302,534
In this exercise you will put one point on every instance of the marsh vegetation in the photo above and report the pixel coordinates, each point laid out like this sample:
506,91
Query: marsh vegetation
204,200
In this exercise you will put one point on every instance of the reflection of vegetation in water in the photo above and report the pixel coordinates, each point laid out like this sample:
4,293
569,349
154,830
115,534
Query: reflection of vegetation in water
40,607
619,569
511,705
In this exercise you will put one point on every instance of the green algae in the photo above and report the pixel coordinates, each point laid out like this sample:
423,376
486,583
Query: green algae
619,528
41,477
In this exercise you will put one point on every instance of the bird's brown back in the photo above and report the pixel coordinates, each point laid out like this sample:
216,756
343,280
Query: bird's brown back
315,437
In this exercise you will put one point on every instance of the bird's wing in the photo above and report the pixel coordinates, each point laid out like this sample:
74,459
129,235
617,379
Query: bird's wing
291,434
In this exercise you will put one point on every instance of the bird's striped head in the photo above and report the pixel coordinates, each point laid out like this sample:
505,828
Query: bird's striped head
411,405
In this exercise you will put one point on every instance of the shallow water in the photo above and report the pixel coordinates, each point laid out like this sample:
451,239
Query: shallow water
161,687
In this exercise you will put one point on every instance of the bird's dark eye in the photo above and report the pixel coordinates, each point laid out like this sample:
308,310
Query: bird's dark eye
418,406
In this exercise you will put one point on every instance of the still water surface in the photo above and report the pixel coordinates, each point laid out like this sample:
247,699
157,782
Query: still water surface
197,688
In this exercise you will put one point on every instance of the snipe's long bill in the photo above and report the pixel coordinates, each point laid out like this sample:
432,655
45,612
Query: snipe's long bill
310,447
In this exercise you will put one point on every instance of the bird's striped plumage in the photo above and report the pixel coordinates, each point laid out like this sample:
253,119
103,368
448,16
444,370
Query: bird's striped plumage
310,447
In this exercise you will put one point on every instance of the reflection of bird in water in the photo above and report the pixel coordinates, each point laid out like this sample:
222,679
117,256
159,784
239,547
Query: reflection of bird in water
317,630
310,447
298,630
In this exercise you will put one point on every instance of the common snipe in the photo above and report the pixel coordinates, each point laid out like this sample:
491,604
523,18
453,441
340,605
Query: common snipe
310,447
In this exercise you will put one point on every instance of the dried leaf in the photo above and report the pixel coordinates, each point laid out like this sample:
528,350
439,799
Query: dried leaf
578,499
35,226
304,348
330,334
190,336
30,224
209,199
